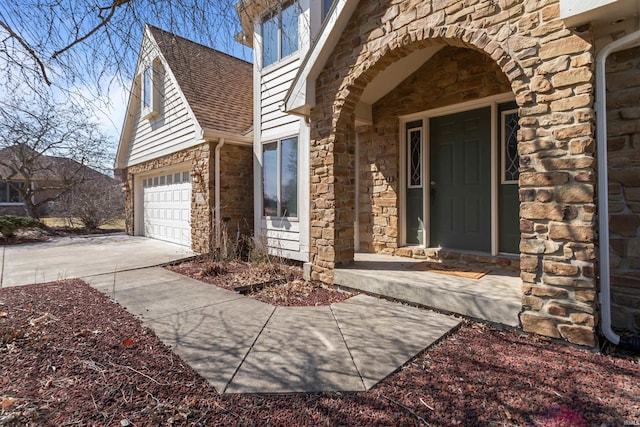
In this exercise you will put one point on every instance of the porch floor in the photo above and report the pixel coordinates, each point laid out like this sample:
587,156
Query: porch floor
496,297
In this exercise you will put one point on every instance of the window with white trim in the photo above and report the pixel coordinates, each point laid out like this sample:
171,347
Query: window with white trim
280,178
152,89
280,33
10,193
147,87
510,158
326,7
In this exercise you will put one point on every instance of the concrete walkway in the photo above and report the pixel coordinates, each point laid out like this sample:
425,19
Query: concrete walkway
242,345
239,344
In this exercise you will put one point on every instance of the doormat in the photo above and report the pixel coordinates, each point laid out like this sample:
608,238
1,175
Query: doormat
465,271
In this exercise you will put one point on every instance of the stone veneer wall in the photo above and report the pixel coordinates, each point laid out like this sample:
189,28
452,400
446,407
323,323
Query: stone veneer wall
201,160
550,69
623,128
453,75
236,189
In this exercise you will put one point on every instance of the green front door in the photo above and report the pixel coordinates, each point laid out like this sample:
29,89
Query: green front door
460,164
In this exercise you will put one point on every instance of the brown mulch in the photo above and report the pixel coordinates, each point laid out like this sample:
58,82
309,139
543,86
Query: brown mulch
288,288
86,361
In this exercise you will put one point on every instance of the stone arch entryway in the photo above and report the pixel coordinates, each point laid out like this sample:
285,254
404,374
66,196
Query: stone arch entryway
549,69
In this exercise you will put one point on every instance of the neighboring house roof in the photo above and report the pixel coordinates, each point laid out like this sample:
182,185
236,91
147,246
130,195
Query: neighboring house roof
45,168
217,86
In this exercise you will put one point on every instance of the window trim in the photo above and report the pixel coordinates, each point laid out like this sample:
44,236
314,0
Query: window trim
278,143
276,12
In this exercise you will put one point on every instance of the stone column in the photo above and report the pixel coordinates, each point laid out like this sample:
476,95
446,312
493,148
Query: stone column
556,146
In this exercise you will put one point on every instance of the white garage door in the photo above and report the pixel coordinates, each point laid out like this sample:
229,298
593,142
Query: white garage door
167,207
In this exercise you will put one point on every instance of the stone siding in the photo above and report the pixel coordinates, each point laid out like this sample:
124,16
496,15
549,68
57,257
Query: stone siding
623,128
236,189
550,71
201,163
453,75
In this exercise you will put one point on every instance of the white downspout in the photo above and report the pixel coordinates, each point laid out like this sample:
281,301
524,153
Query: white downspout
356,222
603,178
216,207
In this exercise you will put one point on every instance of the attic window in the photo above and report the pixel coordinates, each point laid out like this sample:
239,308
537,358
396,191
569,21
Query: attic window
147,86
152,90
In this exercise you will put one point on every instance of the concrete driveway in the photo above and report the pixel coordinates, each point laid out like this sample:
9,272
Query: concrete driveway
72,257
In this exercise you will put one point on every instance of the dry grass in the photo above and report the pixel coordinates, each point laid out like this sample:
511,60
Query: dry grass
75,223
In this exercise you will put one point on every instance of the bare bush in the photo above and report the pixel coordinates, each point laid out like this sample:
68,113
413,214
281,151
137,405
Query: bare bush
95,203
47,149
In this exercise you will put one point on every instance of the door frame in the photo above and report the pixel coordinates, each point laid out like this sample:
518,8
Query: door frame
425,116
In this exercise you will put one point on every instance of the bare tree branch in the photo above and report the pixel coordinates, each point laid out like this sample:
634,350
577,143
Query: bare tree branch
81,42
112,10
47,150
29,50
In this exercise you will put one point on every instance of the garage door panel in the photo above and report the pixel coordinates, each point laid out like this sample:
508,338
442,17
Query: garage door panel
167,207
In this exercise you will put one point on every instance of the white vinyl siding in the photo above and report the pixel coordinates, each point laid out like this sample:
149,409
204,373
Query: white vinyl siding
175,130
286,236
172,129
282,237
273,88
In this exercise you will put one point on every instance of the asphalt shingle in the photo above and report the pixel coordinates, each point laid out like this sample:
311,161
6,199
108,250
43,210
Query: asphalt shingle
217,86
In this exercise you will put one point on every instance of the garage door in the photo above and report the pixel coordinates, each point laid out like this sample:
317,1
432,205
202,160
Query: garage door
167,207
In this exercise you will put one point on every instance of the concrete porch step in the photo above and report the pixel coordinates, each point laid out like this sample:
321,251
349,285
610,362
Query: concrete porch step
496,297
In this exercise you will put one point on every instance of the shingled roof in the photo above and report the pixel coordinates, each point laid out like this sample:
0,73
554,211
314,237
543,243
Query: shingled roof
42,166
217,86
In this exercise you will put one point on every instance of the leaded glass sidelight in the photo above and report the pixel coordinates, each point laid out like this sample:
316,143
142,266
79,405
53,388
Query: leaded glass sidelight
415,158
510,158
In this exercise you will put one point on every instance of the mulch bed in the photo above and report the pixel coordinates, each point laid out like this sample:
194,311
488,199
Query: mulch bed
89,362
286,287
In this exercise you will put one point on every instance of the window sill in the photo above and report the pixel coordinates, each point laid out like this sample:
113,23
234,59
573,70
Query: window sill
11,204
149,114
281,63
280,218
